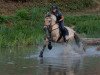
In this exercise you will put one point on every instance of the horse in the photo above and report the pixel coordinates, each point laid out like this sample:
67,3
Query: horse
53,33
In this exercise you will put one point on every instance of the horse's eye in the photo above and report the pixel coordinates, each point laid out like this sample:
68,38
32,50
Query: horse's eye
49,21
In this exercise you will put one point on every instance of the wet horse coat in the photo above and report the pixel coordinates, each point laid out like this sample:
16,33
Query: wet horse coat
53,34
55,30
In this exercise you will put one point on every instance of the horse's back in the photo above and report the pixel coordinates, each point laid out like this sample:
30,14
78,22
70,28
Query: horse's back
70,31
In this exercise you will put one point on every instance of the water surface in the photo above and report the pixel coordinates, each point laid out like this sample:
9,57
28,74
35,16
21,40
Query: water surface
61,60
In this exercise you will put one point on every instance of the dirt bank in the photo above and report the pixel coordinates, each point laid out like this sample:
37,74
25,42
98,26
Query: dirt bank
9,7
91,41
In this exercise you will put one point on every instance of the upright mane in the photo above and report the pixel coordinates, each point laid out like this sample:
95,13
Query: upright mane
53,17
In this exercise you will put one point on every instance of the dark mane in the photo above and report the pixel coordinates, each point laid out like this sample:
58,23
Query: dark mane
48,15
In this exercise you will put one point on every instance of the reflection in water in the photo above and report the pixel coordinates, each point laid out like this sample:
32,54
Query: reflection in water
59,67
14,62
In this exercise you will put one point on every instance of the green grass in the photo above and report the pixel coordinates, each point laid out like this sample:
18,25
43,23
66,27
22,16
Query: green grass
23,28
26,26
85,24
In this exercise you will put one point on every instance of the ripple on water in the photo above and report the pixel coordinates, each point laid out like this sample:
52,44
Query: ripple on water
91,51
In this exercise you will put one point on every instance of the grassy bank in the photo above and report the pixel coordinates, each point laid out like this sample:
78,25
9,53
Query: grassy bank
25,27
88,25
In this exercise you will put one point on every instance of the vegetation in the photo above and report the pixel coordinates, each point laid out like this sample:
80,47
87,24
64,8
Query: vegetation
75,5
79,4
85,24
25,26
10,6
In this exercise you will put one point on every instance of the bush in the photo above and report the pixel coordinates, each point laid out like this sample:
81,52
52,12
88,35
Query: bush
3,19
23,14
79,4
75,5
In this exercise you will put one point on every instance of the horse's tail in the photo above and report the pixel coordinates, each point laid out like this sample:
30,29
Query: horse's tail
77,39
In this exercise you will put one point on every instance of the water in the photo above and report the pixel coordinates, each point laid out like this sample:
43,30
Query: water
61,60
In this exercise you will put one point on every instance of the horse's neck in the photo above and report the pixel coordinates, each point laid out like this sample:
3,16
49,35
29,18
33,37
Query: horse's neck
53,22
55,28
53,19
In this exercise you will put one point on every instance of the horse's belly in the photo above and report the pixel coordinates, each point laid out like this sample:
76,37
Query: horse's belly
55,36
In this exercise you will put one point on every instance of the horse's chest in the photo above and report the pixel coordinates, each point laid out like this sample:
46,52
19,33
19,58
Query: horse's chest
55,33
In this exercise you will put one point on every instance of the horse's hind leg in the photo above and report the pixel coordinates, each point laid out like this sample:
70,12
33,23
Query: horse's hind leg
77,39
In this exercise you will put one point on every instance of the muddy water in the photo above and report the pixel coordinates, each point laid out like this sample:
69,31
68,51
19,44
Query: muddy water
61,60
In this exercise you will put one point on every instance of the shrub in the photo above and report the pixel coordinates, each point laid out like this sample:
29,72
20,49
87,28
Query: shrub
3,19
75,5
23,14
79,4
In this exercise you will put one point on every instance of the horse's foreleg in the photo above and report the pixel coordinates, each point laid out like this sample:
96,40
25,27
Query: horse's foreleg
49,46
45,44
41,53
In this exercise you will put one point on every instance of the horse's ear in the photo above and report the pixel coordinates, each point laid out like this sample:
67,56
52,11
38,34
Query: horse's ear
45,15
48,13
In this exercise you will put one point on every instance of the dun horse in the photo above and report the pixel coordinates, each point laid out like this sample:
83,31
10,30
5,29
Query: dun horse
53,33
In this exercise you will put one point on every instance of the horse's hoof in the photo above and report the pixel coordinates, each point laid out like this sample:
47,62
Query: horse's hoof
49,46
41,54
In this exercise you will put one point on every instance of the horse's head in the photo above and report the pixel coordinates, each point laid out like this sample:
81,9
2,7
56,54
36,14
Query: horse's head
50,20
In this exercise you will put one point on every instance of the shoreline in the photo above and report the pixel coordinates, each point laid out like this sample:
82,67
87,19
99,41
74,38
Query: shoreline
91,41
